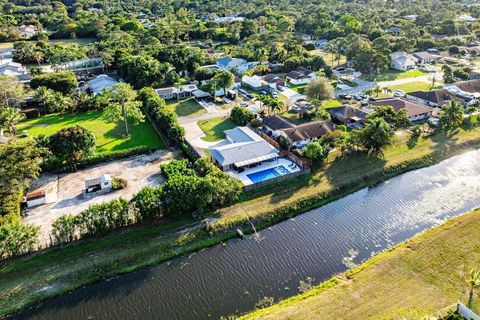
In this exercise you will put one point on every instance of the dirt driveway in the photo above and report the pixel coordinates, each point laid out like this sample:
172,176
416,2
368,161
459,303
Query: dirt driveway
64,191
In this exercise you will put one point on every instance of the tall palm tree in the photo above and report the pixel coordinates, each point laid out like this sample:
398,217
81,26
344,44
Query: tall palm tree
387,90
225,79
9,118
452,114
275,105
42,96
377,90
473,282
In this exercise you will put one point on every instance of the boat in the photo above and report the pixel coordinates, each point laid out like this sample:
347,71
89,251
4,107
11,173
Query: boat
240,234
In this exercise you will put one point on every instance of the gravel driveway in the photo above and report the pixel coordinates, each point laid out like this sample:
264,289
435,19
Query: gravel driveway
64,191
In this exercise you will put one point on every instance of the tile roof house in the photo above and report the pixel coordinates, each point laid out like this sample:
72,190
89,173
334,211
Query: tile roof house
425,57
182,92
402,61
231,64
242,147
435,98
299,135
101,83
301,75
28,31
414,110
14,69
349,116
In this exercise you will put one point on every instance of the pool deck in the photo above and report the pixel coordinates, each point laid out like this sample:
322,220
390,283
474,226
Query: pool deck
242,177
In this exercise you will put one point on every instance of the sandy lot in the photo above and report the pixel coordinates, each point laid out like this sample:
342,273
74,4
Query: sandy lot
64,191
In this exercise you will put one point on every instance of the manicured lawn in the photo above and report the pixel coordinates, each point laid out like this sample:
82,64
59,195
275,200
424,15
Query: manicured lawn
293,117
333,103
109,135
415,280
409,87
391,74
188,107
300,88
214,128
328,58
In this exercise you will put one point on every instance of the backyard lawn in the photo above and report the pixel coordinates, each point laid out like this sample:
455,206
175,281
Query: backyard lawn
300,88
214,128
391,74
409,87
109,135
184,108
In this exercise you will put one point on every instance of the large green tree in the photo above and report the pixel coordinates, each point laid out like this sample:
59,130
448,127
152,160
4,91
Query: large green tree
123,106
451,115
71,144
9,118
375,135
319,89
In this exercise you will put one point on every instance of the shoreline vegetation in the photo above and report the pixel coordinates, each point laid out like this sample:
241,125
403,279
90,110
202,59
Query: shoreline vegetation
28,280
424,274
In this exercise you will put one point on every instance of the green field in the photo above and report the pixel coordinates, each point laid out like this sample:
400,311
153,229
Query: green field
184,108
391,74
409,87
214,128
416,280
109,135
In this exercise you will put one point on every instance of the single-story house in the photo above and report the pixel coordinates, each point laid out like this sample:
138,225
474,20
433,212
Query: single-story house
100,83
435,98
28,31
414,110
319,43
242,148
349,116
228,19
423,57
267,83
231,64
402,61
470,86
14,69
393,29
466,18
301,75
291,96
299,135
182,92
6,55
274,81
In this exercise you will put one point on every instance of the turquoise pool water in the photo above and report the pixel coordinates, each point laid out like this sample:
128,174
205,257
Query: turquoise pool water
268,174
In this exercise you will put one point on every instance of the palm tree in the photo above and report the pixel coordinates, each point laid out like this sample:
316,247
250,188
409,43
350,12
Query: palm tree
376,134
275,105
9,118
387,90
377,90
369,91
264,101
42,96
452,114
225,79
473,282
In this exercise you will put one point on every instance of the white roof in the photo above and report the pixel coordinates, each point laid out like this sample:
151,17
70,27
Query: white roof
254,81
292,94
101,82
244,147
13,69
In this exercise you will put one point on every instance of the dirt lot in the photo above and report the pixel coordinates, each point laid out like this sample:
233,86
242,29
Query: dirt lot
64,191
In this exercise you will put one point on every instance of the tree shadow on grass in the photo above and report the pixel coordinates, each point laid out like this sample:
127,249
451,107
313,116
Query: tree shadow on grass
444,141
412,141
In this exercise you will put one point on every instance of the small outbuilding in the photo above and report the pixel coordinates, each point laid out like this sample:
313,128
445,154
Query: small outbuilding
100,184
35,198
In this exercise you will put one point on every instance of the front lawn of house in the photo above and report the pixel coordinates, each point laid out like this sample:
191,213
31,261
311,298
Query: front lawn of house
391,74
109,135
184,108
409,87
214,128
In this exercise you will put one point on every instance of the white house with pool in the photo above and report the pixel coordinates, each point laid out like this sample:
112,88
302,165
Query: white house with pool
247,157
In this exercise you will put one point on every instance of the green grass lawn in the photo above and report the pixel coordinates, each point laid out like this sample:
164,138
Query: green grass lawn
293,117
416,280
184,108
214,128
332,103
391,74
300,88
409,87
109,135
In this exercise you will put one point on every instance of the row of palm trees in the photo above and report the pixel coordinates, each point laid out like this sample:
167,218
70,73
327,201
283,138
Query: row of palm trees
271,104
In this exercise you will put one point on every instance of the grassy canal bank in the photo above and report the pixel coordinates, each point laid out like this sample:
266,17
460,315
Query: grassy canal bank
28,280
417,279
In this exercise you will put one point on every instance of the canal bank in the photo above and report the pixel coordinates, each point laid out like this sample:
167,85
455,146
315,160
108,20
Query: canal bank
418,279
232,278
28,280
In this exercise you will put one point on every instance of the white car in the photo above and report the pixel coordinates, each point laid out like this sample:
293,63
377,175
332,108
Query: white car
398,93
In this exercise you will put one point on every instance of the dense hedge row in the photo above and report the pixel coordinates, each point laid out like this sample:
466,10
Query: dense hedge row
164,119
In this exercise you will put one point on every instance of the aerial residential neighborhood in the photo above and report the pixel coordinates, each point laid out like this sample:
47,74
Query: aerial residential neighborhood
250,160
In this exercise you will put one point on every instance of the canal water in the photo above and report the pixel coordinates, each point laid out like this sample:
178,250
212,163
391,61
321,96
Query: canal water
231,278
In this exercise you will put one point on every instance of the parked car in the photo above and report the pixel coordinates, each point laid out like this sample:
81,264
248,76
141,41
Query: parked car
263,92
244,104
227,101
372,98
340,69
274,94
249,96
345,96
398,93
357,97
242,91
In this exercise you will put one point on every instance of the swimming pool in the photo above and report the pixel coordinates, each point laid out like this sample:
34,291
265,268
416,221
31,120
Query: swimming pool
268,174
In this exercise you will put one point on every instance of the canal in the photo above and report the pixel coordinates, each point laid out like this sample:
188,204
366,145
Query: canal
231,278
